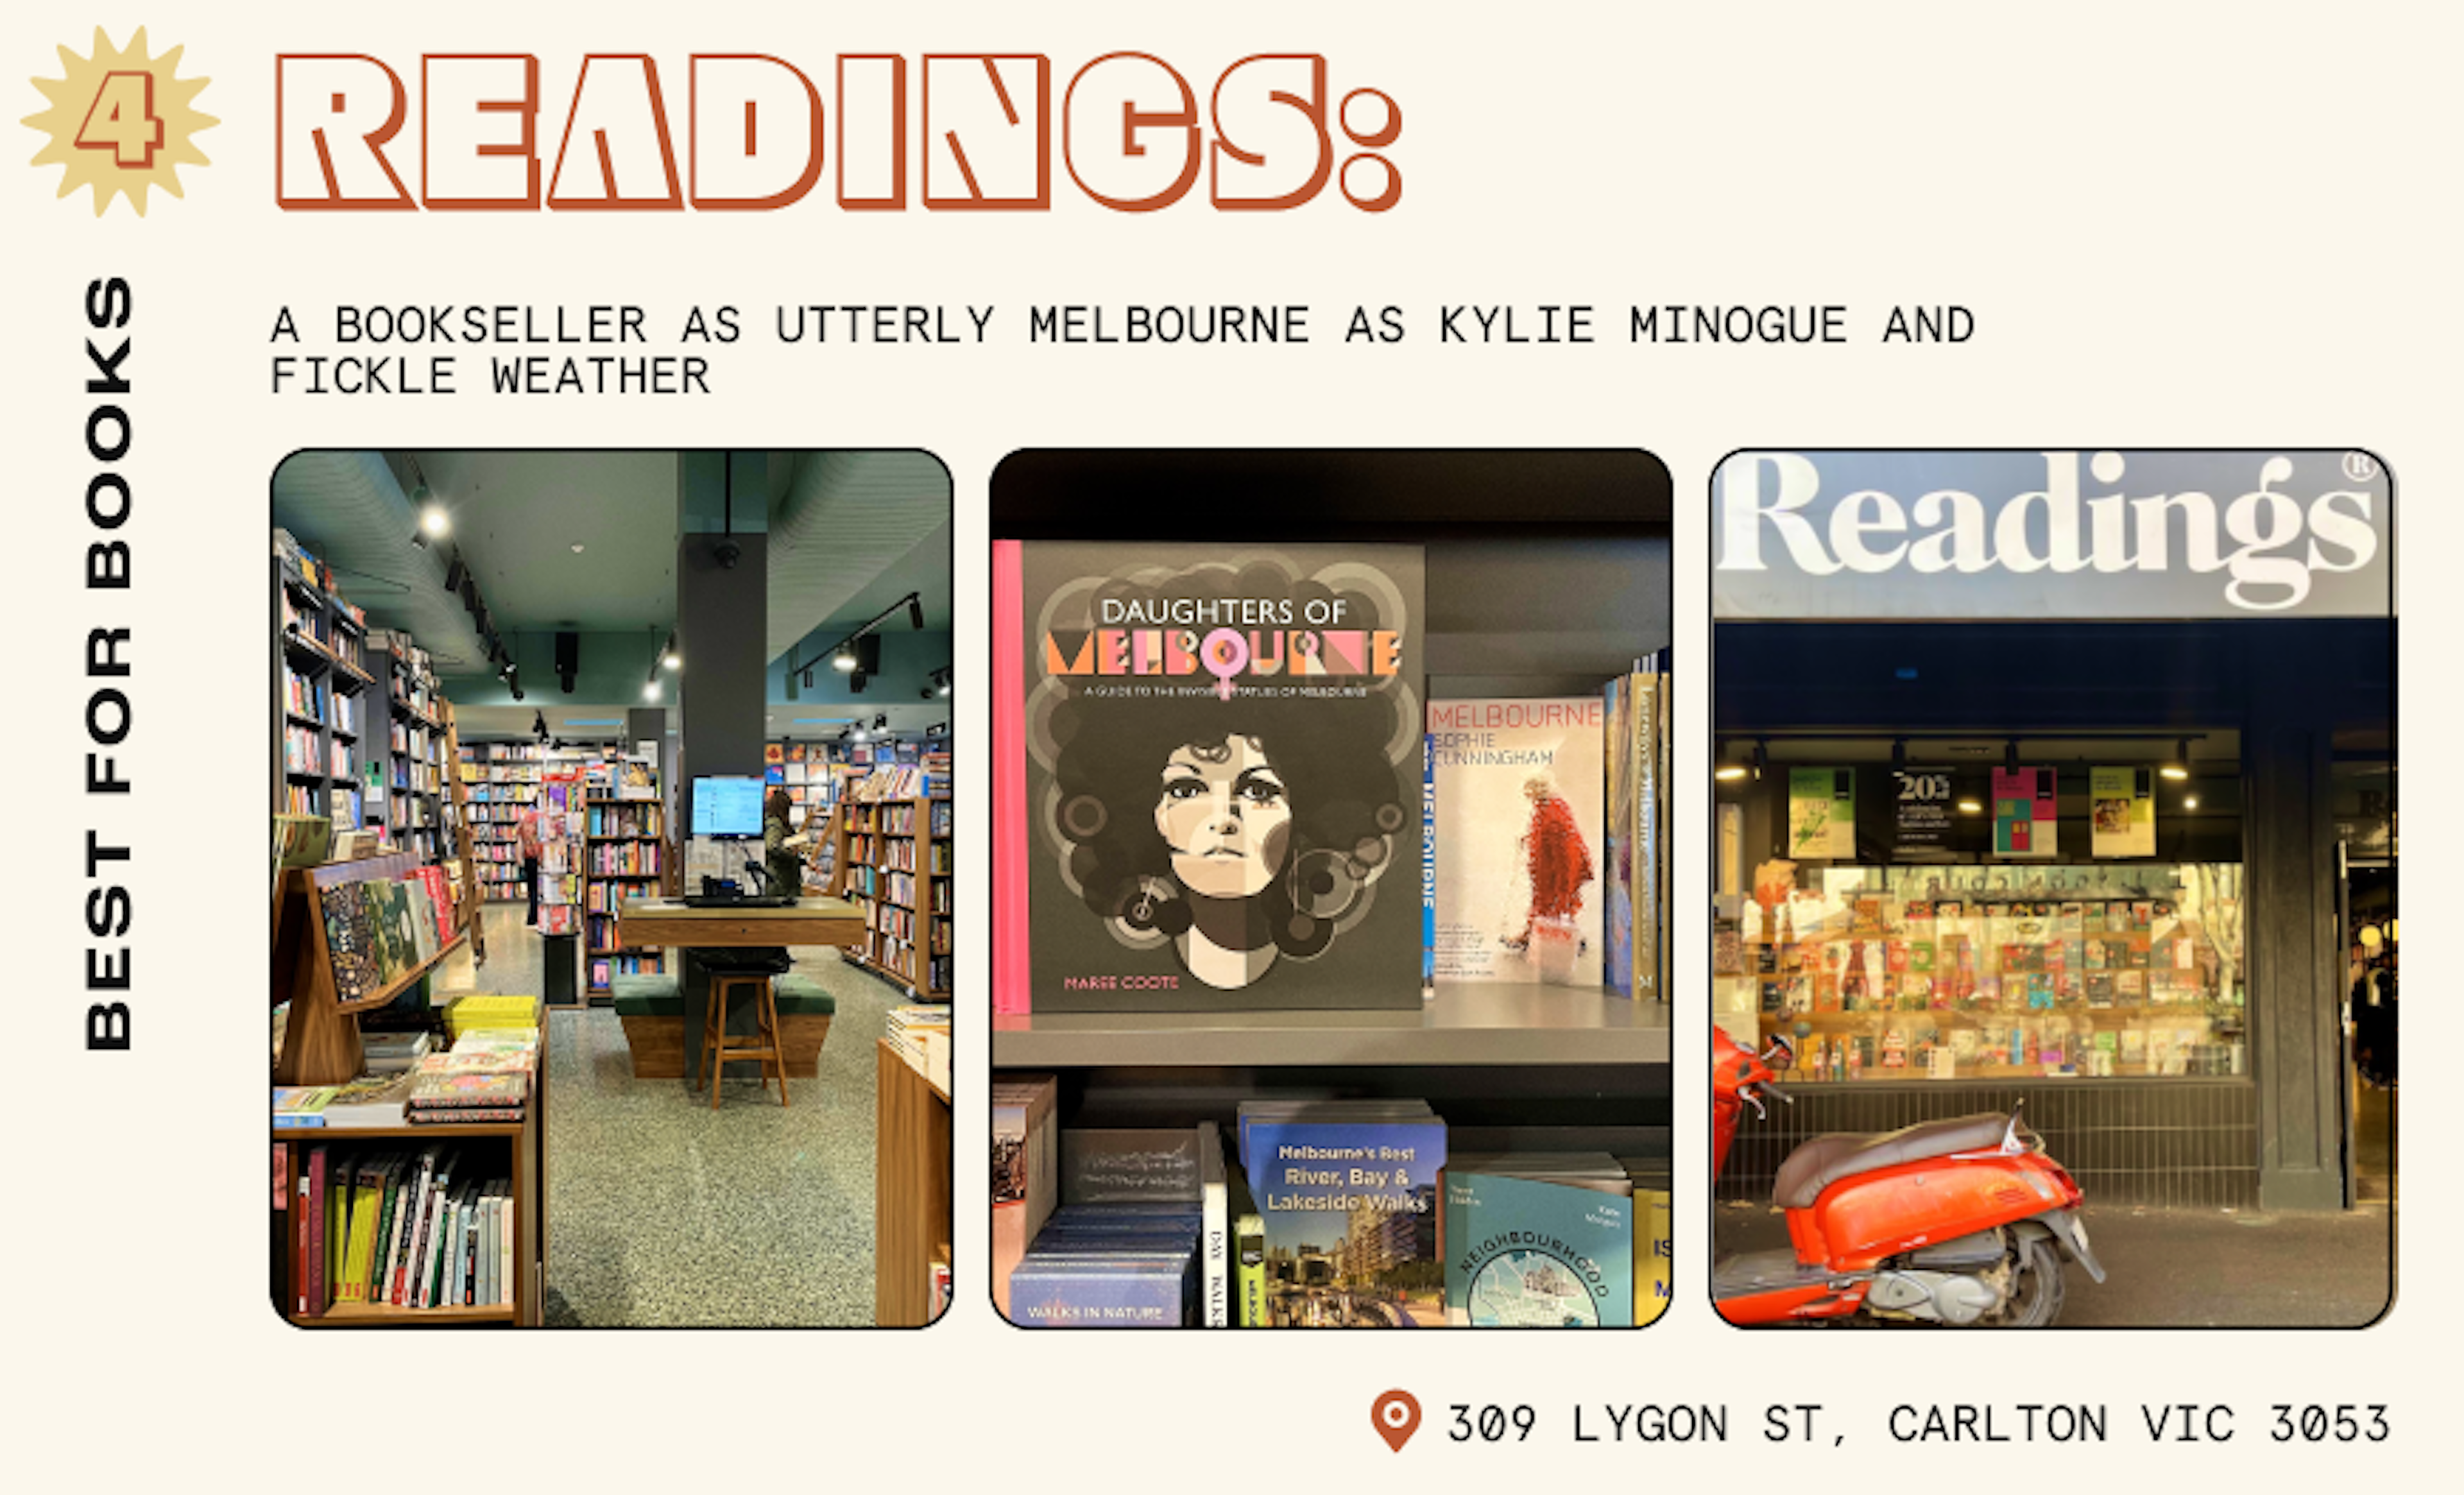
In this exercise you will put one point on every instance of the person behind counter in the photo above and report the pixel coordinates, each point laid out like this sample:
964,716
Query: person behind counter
782,869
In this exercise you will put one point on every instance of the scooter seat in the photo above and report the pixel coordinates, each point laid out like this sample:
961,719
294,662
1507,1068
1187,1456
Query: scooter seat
1827,1160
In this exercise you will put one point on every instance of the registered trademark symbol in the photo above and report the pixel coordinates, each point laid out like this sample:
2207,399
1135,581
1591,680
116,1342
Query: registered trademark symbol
2360,466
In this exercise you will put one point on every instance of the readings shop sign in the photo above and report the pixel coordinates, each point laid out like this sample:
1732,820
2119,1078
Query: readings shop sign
2120,534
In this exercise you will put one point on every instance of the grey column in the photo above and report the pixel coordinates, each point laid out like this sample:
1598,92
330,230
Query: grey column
2296,976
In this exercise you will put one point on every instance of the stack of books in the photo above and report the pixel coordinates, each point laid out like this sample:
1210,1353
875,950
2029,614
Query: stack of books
394,1053
1111,1266
1026,1169
298,1106
480,1011
920,1035
485,1077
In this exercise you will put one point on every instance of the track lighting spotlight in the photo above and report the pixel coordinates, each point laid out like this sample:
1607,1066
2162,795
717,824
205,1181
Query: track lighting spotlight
844,657
455,572
915,611
2180,766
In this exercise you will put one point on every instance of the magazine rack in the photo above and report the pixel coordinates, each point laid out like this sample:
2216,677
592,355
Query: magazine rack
321,1045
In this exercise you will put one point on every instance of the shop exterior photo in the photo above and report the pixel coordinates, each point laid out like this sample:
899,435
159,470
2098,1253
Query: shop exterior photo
2054,814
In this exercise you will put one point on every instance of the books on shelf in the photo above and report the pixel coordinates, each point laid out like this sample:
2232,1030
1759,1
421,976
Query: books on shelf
1635,879
375,1099
1025,1170
908,1029
298,1106
1111,1266
1221,762
398,1227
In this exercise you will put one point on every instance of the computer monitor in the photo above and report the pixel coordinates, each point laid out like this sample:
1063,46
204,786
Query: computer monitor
727,806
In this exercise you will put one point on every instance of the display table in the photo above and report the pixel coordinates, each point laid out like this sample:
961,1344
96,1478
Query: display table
668,922
910,1183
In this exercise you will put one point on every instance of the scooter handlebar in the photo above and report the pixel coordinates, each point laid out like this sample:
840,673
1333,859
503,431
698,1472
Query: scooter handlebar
1774,1092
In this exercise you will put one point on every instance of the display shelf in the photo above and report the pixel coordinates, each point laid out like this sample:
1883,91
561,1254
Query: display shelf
1473,1023
878,840
912,1188
606,892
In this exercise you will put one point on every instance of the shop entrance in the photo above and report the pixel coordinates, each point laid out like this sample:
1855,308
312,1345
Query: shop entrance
2368,904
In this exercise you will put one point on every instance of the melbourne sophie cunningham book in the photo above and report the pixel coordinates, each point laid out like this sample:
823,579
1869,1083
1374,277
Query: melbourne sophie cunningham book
1222,775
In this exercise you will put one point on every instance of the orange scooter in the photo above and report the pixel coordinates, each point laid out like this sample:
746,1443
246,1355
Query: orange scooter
1964,1222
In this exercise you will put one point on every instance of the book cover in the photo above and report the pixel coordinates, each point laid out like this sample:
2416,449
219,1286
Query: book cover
1634,879
1150,1292
1520,786
1131,1165
1525,1253
350,938
1221,763
1350,1215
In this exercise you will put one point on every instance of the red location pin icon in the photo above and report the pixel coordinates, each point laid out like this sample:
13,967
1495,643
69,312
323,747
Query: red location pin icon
1397,1417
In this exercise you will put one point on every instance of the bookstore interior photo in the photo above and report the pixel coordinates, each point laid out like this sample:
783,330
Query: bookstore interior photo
621,778
1330,876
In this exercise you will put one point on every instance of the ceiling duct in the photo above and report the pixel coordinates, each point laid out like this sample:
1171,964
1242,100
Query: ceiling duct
348,509
845,518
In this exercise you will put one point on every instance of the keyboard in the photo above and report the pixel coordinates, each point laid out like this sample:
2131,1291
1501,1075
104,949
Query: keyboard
729,900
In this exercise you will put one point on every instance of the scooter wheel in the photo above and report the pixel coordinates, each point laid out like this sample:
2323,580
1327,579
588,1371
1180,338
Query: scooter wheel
2036,1287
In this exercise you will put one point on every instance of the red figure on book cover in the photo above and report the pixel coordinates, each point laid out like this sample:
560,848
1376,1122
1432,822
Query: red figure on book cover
1559,860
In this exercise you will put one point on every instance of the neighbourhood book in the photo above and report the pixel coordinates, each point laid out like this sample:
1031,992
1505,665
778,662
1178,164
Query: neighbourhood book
1539,1240
1219,748
1519,785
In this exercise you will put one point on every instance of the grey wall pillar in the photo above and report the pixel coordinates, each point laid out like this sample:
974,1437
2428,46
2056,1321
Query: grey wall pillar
2289,913
722,610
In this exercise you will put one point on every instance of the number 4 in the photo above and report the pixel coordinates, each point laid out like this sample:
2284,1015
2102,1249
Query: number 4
121,120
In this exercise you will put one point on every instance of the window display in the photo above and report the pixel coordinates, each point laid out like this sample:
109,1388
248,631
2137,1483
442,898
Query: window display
1986,972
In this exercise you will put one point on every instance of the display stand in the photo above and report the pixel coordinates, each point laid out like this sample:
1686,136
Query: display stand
624,859
321,1045
911,1214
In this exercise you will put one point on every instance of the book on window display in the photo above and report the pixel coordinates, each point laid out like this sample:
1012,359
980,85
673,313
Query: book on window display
1222,761
1520,785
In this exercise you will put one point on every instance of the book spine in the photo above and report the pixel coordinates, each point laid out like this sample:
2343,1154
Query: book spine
1251,1246
303,1207
1012,965
316,1186
400,1288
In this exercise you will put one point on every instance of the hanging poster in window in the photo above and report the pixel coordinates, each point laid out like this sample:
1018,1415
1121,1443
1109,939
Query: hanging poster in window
2122,803
1822,814
1920,811
2023,812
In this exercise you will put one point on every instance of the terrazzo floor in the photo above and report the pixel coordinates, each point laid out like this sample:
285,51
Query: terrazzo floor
664,1212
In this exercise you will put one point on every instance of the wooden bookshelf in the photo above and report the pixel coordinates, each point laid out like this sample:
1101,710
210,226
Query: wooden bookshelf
911,1210
895,859
625,831
523,1149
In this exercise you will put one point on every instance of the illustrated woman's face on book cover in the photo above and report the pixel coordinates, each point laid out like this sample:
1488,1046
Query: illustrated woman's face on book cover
1225,816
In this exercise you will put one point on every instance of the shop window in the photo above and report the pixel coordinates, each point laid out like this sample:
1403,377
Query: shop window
1964,966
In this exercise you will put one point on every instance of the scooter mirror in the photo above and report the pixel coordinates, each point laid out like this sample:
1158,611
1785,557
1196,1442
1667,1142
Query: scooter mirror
1781,1055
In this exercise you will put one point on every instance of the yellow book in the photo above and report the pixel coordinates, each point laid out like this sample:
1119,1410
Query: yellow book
367,1198
1652,1280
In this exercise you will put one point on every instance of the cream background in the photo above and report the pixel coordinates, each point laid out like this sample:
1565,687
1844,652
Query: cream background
2208,225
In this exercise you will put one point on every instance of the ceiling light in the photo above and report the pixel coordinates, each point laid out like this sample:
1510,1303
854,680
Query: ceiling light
879,722
1729,773
916,612
456,573
1971,807
577,547
844,658
2191,802
433,521
2180,767
650,692
673,661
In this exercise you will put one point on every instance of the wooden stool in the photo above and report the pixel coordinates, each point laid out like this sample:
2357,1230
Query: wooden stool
761,1043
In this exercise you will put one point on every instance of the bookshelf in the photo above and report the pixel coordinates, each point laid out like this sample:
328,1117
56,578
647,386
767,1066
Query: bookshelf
411,794
893,853
322,698
513,1151
563,799
501,780
624,857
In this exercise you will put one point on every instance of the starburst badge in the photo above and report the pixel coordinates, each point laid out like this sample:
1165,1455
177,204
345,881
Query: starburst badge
120,122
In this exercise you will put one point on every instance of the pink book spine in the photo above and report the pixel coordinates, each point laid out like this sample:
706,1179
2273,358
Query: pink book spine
1010,970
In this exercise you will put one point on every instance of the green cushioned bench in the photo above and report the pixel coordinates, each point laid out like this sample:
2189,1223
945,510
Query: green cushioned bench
652,1010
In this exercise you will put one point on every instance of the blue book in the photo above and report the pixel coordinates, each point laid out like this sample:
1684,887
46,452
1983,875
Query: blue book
1137,1291
1538,1252
1348,1192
